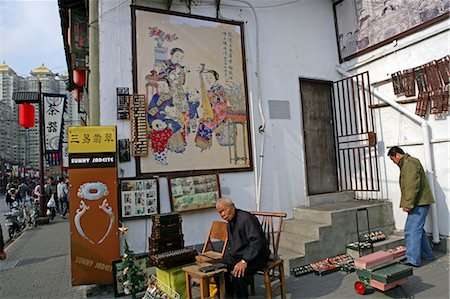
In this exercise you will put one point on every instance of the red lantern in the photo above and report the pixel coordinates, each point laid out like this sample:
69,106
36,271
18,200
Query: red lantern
77,94
78,77
26,115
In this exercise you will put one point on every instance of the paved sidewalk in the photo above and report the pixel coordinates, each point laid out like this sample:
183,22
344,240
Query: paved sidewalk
38,266
41,257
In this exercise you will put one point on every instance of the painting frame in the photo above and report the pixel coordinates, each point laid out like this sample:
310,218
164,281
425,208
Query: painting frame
217,140
363,26
194,189
139,198
141,259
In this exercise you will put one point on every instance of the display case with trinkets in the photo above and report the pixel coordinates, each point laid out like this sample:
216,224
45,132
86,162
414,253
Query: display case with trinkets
138,118
302,270
156,289
373,237
359,245
342,262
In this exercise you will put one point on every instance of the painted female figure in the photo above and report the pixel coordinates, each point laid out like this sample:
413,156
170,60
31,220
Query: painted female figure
215,107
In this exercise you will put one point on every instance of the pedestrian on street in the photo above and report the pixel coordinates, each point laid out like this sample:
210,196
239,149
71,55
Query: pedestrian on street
416,198
62,196
12,196
2,245
49,193
23,191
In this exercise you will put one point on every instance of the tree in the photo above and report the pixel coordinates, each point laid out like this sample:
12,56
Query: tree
134,277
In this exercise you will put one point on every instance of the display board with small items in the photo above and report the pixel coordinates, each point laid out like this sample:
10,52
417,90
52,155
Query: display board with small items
374,236
138,114
343,262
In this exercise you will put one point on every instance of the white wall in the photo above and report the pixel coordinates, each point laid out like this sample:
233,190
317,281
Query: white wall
394,128
296,40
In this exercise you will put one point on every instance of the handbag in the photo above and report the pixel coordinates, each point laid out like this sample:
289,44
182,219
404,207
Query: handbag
51,203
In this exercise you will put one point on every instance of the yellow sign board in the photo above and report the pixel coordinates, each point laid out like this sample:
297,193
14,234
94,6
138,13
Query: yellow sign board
93,139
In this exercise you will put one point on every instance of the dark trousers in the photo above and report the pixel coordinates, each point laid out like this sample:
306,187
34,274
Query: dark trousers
63,205
238,287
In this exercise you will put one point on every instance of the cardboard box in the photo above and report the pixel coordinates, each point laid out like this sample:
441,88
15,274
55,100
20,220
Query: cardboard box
373,260
398,252
384,287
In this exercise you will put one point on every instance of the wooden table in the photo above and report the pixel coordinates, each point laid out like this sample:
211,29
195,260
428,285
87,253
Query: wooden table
193,272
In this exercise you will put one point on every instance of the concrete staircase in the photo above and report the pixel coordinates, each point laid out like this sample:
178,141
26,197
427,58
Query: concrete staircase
325,227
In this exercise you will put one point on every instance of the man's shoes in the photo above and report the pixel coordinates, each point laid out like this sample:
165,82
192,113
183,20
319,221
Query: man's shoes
429,259
406,263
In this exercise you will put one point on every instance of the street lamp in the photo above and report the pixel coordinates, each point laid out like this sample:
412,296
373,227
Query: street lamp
36,98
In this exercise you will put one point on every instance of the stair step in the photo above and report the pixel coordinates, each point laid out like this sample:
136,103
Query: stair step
346,205
320,199
320,231
303,227
295,243
313,215
287,255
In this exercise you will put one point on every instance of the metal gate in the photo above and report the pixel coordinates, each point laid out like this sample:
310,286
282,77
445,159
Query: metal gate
355,132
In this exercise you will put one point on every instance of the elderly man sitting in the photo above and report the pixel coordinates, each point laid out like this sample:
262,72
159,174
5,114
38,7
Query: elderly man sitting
247,250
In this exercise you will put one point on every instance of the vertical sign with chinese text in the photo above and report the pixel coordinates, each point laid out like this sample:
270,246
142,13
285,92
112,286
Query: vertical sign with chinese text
54,111
93,203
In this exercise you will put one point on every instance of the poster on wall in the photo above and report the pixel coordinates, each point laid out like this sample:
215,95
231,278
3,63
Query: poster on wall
190,193
365,25
191,70
138,198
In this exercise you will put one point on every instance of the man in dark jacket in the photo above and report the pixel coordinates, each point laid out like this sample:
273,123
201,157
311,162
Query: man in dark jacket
416,200
247,250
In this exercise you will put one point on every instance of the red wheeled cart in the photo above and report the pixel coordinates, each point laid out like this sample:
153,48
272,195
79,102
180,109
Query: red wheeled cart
383,277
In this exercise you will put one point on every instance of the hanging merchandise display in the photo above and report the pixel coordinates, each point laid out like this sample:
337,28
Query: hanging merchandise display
432,80
123,111
138,112
408,83
444,69
397,83
434,87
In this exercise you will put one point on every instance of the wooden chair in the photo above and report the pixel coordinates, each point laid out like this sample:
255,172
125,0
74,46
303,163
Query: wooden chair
218,231
271,224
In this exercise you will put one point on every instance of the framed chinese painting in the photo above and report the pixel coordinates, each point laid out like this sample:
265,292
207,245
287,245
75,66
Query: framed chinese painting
188,193
362,26
191,70
138,198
